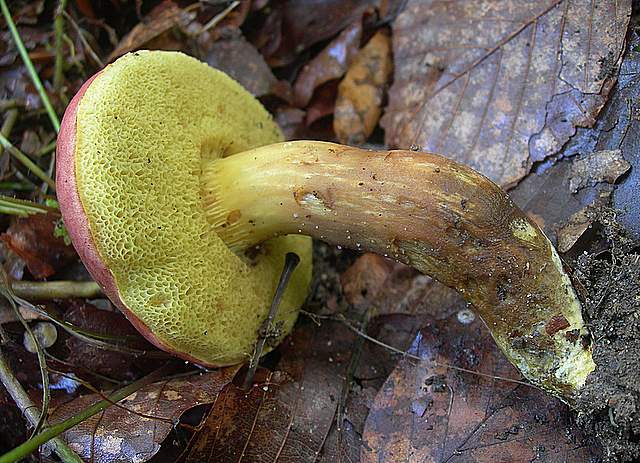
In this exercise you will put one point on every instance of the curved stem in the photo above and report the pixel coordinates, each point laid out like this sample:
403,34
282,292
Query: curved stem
440,217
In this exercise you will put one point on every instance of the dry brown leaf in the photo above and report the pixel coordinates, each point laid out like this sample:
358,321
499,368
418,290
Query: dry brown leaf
160,20
288,413
294,25
500,85
32,238
362,282
116,365
122,434
232,54
427,413
331,63
359,102
322,103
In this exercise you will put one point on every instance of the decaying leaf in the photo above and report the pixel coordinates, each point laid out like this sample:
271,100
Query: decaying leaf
293,26
547,196
288,413
133,430
500,86
599,166
32,238
362,282
160,20
360,94
331,63
232,54
579,222
116,365
322,103
428,413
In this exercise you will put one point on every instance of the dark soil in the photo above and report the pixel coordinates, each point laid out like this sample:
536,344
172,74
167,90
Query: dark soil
609,404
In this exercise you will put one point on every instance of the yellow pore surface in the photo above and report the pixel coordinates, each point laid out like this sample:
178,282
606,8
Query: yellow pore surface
145,128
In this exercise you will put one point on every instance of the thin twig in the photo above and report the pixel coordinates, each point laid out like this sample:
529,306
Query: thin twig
219,17
7,292
28,163
47,290
29,409
7,125
84,41
291,260
37,83
341,318
32,444
92,337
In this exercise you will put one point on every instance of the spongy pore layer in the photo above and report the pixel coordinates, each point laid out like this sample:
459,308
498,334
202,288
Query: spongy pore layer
146,126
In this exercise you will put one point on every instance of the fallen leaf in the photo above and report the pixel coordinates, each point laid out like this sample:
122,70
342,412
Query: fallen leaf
294,25
360,94
546,195
331,63
362,282
32,238
288,413
429,413
232,54
85,356
161,19
599,166
579,222
291,122
322,103
499,86
133,430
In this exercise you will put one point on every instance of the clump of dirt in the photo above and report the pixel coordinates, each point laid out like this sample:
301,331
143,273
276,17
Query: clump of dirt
609,403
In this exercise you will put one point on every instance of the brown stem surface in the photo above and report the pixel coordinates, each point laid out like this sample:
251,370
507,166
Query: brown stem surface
440,217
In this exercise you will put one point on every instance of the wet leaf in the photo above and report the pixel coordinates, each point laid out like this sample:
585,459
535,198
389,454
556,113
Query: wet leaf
133,430
427,413
500,86
289,412
160,20
32,238
360,94
331,63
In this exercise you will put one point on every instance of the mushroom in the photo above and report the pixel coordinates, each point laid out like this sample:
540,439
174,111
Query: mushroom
169,173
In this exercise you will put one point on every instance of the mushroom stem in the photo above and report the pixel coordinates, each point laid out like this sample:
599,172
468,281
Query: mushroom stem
442,218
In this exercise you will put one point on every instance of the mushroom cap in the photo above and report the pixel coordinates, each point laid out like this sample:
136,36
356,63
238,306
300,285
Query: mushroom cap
130,155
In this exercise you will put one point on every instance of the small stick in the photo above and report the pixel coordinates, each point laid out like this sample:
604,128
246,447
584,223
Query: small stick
290,263
31,411
55,430
28,163
45,290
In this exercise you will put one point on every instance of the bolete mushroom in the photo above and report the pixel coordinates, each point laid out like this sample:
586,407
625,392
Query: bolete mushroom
169,171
